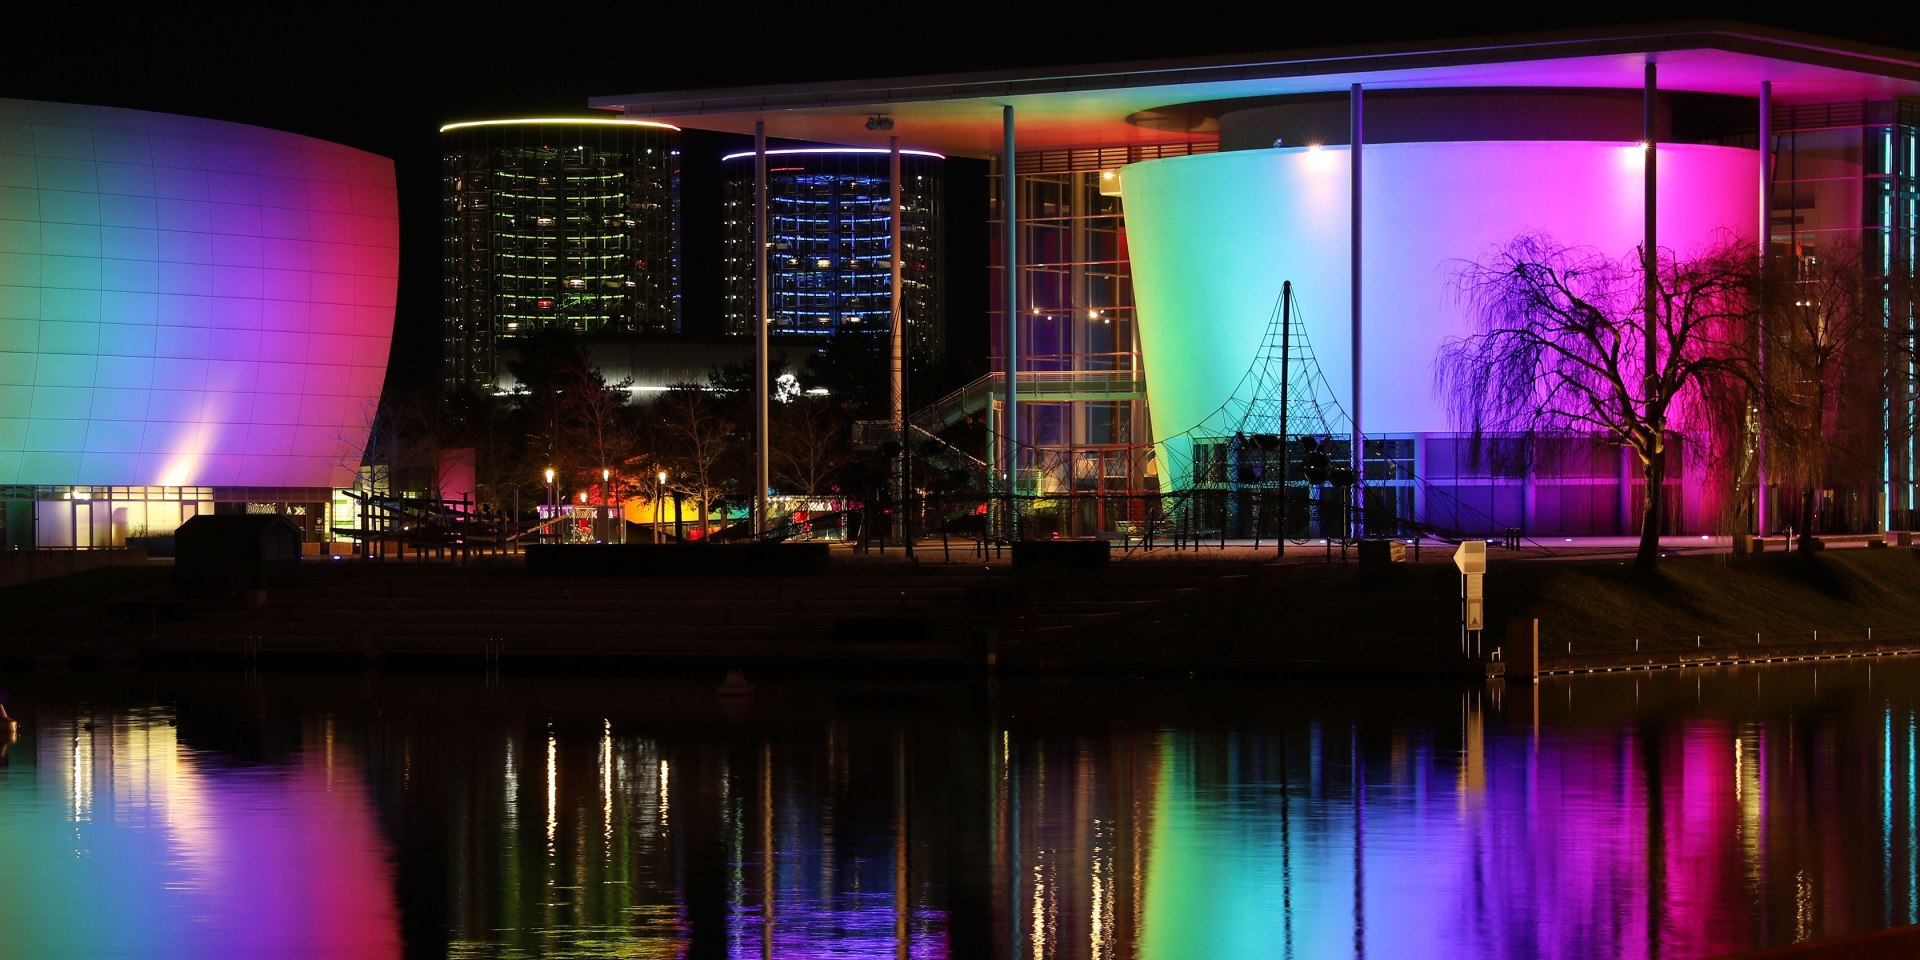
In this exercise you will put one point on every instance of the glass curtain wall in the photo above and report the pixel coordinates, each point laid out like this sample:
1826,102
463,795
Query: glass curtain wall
95,517
555,225
1844,174
1086,463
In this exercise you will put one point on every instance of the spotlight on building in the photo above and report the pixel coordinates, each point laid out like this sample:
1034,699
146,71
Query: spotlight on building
879,123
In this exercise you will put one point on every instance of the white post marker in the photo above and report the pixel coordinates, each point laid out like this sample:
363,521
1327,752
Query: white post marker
1471,558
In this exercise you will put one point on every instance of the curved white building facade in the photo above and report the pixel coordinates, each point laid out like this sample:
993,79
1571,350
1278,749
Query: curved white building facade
1212,237
186,303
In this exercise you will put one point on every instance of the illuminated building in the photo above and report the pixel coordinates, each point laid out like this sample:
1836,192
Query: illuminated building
1235,176
829,266
194,315
555,223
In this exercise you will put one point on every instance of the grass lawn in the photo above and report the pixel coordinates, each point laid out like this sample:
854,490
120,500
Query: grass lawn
1601,607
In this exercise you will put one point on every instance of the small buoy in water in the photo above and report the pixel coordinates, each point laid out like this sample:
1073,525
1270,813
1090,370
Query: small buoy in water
735,685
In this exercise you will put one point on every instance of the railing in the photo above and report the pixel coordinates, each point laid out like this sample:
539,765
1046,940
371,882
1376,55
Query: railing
1182,519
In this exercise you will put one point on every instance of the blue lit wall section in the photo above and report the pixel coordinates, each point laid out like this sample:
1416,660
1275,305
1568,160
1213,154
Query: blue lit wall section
187,301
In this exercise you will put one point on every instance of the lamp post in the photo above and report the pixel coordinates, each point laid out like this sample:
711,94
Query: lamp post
546,529
606,517
659,488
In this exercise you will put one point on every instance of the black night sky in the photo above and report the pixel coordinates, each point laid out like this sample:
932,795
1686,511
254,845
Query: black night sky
383,80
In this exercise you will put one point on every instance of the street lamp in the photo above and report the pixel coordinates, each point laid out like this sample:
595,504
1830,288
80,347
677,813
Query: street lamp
546,529
606,517
658,489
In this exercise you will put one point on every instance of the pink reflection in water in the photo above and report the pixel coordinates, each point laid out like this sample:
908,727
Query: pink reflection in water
289,862
135,845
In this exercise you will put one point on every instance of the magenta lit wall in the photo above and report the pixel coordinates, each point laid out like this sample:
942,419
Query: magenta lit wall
1213,236
187,301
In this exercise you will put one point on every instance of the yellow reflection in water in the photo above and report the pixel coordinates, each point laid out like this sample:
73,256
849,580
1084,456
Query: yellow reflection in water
553,790
606,786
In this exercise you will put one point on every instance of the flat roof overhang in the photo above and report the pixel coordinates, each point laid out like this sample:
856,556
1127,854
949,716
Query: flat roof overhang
1147,102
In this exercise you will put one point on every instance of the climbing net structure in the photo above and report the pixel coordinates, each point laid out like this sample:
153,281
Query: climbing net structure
1272,458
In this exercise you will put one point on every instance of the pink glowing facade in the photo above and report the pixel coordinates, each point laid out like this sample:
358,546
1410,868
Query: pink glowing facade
185,304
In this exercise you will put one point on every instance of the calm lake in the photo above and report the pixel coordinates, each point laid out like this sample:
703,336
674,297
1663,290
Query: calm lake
1672,814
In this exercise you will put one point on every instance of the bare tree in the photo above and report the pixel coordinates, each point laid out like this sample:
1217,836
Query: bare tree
809,444
407,433
598,429
694,443
1563,341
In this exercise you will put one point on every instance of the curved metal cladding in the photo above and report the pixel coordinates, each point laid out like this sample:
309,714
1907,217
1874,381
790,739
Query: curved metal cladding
1212,237
187,301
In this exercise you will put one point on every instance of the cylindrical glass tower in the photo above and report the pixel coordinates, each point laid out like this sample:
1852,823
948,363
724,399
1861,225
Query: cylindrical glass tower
829,226
555,224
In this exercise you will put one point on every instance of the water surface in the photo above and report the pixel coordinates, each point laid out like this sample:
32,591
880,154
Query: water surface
1677,814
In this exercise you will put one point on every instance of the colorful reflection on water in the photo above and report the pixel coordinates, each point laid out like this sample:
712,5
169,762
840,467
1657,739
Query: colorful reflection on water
120,841
1648,816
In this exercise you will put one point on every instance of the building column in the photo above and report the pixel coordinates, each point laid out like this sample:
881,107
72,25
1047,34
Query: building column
1359,445
1766,264
1650,250
761,455
1903,480
1010,217
901,488
893,260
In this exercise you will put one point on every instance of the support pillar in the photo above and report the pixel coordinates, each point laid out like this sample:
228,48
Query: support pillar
1766,264
761,456
1358,453
1650,252
902,489
1009,223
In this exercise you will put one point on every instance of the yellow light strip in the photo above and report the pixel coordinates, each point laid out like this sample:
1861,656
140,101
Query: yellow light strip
592,121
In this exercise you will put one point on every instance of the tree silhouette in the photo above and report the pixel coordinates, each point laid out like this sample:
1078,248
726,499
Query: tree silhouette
694,440
1561,342
810,443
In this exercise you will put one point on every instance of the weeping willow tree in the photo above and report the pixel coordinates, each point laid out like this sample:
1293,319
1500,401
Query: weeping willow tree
1563,340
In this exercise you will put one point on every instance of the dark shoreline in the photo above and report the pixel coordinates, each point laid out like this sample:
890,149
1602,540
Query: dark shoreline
1169,614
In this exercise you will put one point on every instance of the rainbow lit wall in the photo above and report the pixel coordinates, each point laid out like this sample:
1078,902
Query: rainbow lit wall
187,301
1213,236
